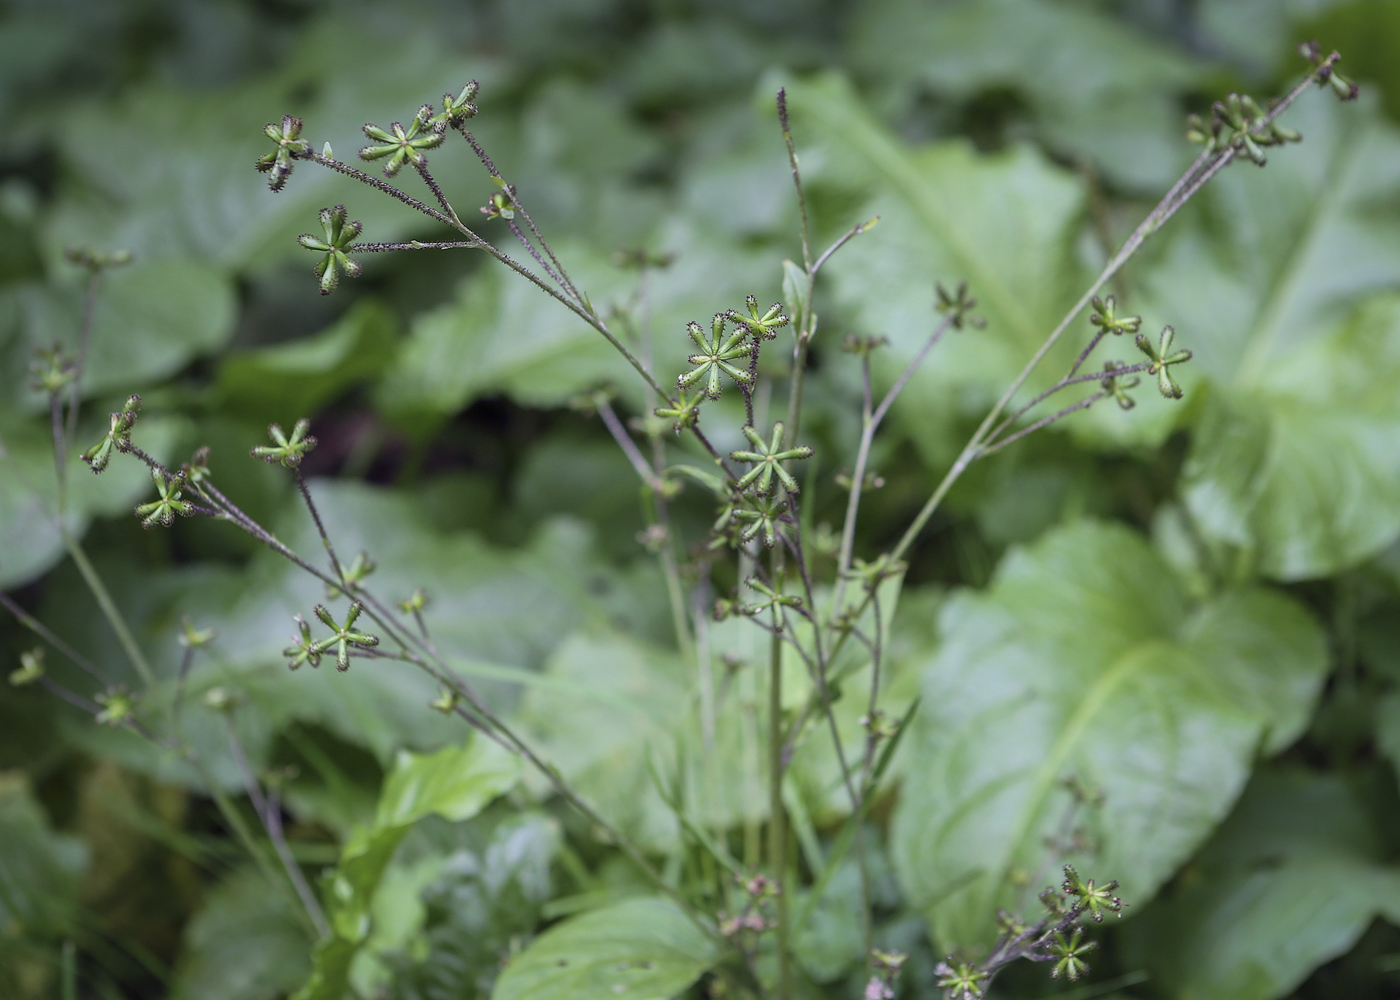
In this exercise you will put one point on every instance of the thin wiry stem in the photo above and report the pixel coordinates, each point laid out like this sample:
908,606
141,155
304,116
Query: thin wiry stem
1065,383
94,282
1205,167
43,632
413,245
563,275
1084,403
320,528
625,442
272,823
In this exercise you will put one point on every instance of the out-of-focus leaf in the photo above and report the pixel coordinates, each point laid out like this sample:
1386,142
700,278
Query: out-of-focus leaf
1388,728
202,199
245,943
1097,89
610,702
643,949
1289,881
149,321
456,783
502,335
1005,223
478,906
292,380
30,542
1083,661
39,869
1296,457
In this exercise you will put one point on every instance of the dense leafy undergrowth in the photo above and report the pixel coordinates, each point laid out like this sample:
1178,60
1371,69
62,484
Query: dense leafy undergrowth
1164,641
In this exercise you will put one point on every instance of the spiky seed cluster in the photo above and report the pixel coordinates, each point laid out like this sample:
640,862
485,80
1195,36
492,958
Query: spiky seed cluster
1105,316
53,369
1161,361
958,306
684,411
456,110
343,639
118,436
1117,385
1094,900
361,567
765,326
1239,123
288,451
767,458
403,145
715,356
744,517
31,668
167,504
772,599
117,706
1324,72
290,147
1068,954
962,980
340,236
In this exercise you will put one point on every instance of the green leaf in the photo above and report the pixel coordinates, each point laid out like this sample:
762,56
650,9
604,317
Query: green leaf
245,943
39,869
643,949
30,542
1281,286
502,335
149,321
1083,661
296,379
479,906
1290,881
1095,88
1388,728
456,783
1005,223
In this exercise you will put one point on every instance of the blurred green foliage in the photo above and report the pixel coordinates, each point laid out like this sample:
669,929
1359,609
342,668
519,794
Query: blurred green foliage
1191,607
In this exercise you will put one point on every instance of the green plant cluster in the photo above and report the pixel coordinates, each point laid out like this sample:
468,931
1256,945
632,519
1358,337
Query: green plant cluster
1042,640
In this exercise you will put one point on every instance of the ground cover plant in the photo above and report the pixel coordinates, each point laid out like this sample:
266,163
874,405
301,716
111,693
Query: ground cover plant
665,664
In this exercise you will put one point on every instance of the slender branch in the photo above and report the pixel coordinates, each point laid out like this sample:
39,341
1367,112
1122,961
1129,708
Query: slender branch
384,186
80,359
1084,403
625,442
432,184
320,528
272,822
412,245
43,632
108,607
563,275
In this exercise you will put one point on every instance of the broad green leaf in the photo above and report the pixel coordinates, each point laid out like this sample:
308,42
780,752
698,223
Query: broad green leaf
456,783
150,320
39,868
1288,882
1277,286
293,380
245,943
479,906
1096,89
613,702
1388,729
30,541
1004,223
502,335
200,197
1083,661
643,949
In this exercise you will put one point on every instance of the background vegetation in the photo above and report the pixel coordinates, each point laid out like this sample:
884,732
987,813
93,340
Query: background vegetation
1004,142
